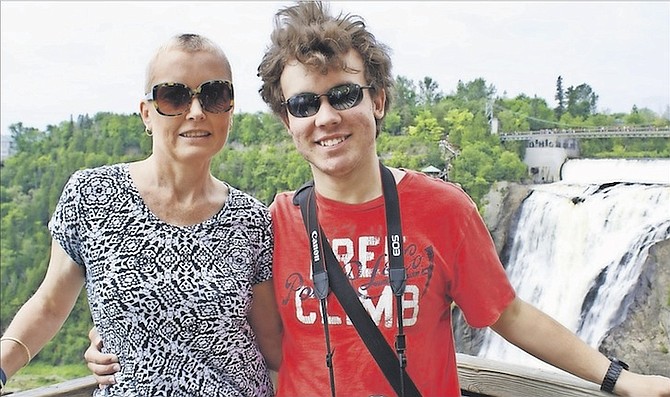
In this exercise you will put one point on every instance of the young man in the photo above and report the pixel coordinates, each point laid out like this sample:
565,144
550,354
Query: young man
329,81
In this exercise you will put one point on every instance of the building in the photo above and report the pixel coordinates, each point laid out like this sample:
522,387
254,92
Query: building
546,154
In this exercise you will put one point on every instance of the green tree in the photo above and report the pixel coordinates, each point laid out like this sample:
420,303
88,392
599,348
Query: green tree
458,122
582,101
429,92
560,97
426,127
475,90
403,108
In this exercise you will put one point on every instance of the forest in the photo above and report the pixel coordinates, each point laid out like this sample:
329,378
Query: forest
259,158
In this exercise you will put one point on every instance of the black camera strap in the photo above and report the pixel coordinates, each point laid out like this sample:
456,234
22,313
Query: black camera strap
328,272
306,198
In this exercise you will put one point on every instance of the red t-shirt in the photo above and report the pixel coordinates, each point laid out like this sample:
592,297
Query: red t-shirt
449,257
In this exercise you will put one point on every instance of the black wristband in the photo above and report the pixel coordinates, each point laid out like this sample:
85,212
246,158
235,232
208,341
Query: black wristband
612,375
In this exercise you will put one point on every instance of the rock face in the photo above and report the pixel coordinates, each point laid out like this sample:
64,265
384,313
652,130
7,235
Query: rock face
501,212
642,340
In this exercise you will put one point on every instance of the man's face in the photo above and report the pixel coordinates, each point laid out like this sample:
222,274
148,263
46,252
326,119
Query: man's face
336,143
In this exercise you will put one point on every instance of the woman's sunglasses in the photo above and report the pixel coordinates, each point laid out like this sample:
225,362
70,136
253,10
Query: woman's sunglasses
341,97
173,99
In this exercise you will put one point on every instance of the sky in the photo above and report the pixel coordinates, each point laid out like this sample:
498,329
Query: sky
64,59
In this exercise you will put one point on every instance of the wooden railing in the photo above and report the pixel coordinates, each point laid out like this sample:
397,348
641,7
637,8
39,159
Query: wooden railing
80,387
479,377
497,379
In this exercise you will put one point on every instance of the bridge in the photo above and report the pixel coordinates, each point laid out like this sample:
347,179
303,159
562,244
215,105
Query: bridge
548,149
590,132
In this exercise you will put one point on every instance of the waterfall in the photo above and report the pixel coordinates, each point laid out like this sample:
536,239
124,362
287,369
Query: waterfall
616,170
578,251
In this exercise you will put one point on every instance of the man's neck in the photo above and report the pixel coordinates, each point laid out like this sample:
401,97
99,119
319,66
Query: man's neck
360,186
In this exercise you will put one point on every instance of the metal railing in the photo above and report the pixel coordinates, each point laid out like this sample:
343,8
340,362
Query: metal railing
592,132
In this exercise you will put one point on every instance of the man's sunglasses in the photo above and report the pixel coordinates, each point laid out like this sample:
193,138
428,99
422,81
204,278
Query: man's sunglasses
173,99
341,97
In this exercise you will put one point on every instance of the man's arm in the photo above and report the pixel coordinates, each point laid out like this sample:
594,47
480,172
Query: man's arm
103,365
540,335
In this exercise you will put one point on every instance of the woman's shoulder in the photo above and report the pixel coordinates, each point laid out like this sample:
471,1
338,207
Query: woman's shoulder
240,199
109,170
97,187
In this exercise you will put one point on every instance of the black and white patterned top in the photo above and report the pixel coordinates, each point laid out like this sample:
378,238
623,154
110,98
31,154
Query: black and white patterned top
170,301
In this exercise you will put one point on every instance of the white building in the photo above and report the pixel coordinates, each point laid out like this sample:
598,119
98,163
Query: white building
546,154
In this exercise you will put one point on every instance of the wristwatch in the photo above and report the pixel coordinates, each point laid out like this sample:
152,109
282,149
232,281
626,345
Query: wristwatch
613,372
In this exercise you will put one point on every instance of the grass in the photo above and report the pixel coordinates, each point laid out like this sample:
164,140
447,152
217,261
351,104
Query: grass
38,375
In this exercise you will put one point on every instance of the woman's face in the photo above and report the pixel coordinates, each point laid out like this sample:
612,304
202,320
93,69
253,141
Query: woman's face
196,134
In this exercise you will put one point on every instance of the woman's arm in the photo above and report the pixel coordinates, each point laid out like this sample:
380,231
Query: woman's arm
40,318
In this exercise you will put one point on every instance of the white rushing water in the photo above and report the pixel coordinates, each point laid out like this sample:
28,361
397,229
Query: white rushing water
579,248
620,170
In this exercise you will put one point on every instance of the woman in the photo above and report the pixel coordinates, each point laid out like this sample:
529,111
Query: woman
170,256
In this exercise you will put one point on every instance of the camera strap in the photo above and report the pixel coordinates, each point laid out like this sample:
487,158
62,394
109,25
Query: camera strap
327,272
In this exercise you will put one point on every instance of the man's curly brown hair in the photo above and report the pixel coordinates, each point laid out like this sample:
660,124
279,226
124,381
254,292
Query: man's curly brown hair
306,32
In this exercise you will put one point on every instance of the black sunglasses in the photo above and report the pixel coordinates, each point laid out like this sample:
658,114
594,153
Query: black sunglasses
173,99
340,97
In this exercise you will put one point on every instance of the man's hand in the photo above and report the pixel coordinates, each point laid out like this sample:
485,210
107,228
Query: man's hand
632,384
103,365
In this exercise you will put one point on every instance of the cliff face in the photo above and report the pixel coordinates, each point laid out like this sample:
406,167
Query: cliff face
642,340
501,211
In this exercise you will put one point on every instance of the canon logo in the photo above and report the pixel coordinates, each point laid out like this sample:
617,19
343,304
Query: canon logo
315,246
